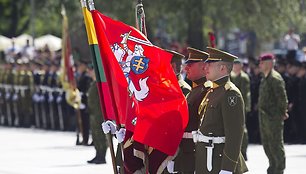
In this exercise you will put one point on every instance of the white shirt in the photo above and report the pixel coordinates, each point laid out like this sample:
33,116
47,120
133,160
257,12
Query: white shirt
292,41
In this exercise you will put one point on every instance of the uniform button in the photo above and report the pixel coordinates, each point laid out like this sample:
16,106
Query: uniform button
212,90
220,154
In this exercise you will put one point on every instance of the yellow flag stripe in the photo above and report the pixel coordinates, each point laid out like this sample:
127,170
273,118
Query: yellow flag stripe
90,29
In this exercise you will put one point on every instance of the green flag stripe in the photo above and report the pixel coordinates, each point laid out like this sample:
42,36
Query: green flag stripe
99,70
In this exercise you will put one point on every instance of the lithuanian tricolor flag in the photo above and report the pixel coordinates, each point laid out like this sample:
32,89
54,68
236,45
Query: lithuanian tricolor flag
102,85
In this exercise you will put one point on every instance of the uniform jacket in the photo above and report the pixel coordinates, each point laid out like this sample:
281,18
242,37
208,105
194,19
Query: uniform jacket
224,117
242,82
185,161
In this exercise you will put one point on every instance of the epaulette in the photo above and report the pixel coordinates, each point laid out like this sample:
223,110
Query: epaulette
229,85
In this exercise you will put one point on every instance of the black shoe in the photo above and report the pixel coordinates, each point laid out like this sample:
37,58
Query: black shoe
78,143
95,160
85,144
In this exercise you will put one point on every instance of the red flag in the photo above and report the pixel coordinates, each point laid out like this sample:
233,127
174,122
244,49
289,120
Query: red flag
115,78
162,113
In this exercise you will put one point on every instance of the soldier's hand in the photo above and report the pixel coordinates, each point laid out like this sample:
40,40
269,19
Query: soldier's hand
170,166
15,97
109,126
50,98
120,135
225,172
82,106
195,136
286,116
58,99
41,98
7,96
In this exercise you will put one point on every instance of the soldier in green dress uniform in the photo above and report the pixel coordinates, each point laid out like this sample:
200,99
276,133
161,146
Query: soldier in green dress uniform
184,163
219,137
95,120
176,63
242,81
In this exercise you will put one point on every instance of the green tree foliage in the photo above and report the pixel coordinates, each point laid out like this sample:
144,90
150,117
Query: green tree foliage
182,20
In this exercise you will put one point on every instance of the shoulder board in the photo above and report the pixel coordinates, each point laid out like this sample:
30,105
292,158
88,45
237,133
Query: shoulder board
182,83
229,85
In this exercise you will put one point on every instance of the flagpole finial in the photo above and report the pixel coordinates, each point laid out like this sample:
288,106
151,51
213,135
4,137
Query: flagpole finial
83,3
91,5
63,11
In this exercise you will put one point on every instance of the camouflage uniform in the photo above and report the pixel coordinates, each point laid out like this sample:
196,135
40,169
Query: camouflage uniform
272,105
242,82
95,120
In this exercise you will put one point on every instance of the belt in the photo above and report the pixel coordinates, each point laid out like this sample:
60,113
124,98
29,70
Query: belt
210,140
187,135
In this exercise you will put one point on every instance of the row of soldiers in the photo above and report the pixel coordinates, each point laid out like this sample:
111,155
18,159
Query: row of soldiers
31,95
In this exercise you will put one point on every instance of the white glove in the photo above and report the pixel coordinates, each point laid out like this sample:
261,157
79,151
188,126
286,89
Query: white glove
170,166
225,172
109,126
7,96
195,136
42,98
82,106
36,97
50,98
15,97
120,135
58,99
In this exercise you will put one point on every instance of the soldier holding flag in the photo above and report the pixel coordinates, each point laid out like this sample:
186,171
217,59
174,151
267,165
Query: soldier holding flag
195,70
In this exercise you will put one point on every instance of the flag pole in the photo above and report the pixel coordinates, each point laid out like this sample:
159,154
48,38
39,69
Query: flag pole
141,26
140,18
69,84
98,73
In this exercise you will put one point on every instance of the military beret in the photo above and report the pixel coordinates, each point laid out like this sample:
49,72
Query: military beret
216,55
267,56
195,55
